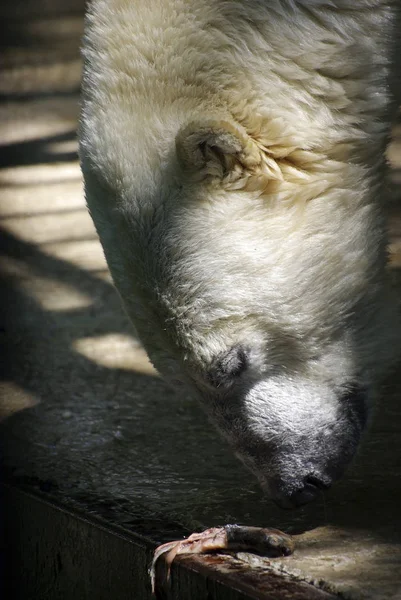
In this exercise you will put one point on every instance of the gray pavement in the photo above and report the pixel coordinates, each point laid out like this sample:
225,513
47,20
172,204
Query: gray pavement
84,416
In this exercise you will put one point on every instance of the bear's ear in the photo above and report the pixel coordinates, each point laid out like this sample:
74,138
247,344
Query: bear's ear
217,149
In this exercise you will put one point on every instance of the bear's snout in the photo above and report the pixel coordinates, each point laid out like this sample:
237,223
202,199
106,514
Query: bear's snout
297,437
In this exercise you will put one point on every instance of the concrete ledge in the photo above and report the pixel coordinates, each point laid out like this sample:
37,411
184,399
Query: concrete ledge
55,553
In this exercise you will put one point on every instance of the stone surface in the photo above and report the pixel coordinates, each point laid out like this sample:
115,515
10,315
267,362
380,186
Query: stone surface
84,416
54,552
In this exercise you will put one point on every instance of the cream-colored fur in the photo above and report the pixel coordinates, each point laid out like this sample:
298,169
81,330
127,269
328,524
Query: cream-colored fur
233,154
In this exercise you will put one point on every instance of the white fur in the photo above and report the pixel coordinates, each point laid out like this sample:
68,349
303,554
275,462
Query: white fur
233,154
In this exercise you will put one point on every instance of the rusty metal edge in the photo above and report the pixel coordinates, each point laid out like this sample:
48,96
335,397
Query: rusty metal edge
249,582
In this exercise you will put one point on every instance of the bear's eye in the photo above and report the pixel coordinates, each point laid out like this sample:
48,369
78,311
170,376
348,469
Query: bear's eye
228,367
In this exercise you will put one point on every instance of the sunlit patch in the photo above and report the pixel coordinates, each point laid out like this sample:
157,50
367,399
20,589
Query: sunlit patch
358,569
13,399
21,131
39,174
61,76
85,254
115,351
45,228
46,117
41,198
66,146
47,27
393,151
102,274
50,294
395,254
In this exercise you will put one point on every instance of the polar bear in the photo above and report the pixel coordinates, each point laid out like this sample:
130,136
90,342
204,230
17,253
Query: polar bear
233,157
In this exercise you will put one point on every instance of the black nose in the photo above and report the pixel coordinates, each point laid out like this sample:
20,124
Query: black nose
306,493
311,489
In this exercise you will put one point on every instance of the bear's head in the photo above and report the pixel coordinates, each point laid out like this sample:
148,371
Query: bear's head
253,269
